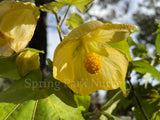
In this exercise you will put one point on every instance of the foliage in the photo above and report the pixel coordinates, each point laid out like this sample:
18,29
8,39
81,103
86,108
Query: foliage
36,95
74,21
27,99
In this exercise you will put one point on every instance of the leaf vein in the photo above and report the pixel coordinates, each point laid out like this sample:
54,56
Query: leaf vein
34,110
11,111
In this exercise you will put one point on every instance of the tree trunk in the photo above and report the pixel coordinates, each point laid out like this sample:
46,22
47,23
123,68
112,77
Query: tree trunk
39,40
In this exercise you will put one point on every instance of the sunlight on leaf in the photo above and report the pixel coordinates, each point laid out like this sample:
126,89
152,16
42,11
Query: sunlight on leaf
52,7
156,116
144,67
109,117
82,5
33,50
112,102
74,21
82,101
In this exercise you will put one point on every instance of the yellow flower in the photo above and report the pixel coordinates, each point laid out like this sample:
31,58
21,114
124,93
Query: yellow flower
17,24
27,61
86,62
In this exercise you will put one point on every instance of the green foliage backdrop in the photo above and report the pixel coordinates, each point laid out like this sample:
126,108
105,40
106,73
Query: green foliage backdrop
38,96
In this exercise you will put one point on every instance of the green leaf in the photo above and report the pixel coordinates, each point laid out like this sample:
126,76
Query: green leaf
112,102
123,88
142,66
82,5
109,117
8,67
50,63
33,50
140,51
130,41
156,116
149,99
52,7
139,31
26,99
158,44
123,46
82,101
74,21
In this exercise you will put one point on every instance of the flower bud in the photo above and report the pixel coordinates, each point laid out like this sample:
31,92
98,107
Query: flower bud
27,61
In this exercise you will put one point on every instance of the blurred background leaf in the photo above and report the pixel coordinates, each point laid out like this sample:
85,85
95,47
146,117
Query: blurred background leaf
8,67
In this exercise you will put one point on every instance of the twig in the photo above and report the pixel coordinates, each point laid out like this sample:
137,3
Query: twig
64,16
59,32
137,99
59,25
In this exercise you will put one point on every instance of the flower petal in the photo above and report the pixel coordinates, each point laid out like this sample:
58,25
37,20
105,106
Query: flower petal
83,30
122,45
5,50
115,64
4,7
112,75
68,65
18,22
84,83
112,32
27,61
63,61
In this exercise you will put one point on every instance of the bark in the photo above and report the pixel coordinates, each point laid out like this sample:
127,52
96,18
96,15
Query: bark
39,40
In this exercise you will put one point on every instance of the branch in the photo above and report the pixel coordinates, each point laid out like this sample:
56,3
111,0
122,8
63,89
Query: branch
59,25
137,99
65,16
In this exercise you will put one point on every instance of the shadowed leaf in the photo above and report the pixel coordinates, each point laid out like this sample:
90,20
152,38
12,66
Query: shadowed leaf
27,100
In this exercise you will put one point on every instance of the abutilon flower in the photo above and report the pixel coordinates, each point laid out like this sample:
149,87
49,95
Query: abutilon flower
27,61
17,24
86,62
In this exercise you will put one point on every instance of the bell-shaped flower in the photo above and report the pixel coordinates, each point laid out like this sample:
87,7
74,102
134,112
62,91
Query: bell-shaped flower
27,61
17,24
86,62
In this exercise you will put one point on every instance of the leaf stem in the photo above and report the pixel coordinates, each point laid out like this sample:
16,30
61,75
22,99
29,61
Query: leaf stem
59,25
64,16
137,99
57,19
59,32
